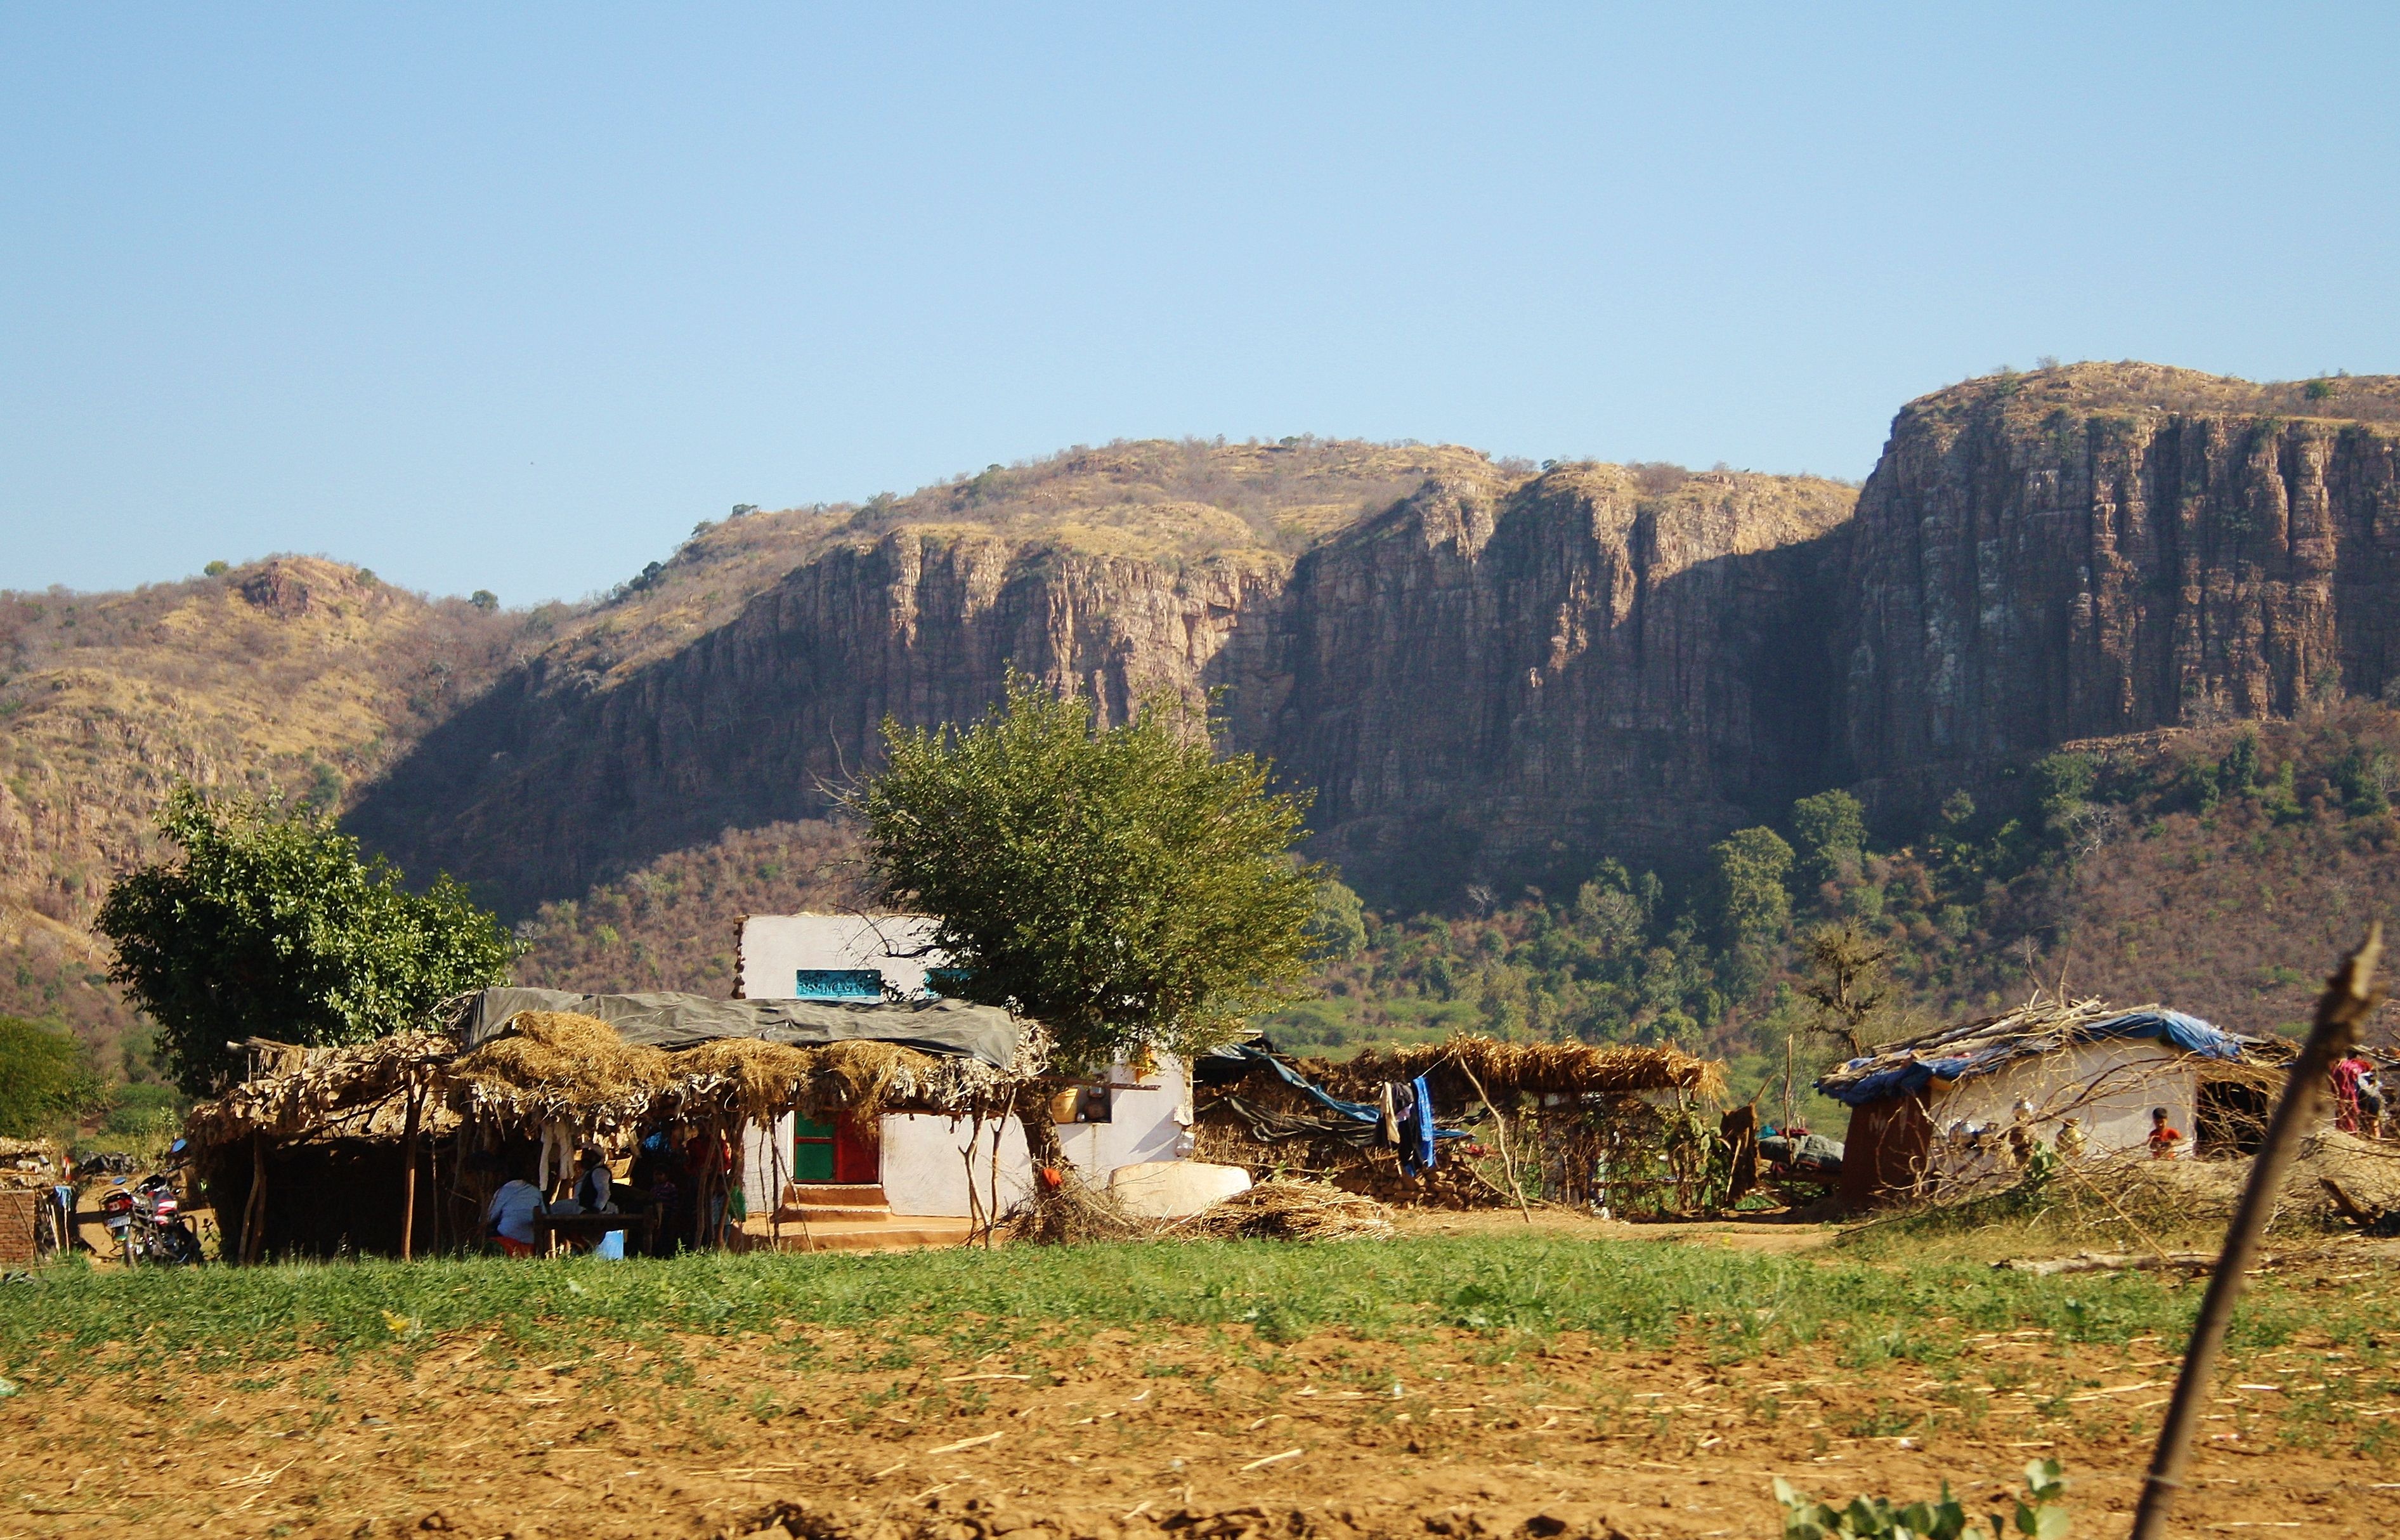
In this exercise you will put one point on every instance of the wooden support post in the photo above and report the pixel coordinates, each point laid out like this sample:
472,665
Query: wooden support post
408,1171
2349,996
1500,1133
253,1211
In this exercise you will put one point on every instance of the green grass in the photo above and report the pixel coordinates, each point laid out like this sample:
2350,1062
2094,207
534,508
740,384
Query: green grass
1734,1306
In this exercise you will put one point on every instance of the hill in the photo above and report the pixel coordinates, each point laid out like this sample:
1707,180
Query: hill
1529,703
295,674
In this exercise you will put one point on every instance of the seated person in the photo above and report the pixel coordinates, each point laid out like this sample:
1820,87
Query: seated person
594,1184
510,1219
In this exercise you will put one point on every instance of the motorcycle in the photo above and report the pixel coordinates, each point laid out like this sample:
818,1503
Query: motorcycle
147,1225
166,1236
116,1213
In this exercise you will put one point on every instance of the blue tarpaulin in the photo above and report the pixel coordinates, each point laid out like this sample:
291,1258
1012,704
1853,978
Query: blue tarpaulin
1418,1135
1905,1072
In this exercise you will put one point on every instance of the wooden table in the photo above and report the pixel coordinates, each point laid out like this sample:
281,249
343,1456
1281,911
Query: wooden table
592,1228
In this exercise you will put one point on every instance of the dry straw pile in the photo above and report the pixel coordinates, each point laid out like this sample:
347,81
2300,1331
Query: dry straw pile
1285,1209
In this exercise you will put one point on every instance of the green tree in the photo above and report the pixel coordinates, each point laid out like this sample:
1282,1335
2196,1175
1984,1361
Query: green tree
1339,928
1747,869
43,1082
269,923
1831,832
1122,885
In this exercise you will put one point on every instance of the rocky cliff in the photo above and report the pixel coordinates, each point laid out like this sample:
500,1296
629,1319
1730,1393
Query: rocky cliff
2107,548
1498,674
1507,681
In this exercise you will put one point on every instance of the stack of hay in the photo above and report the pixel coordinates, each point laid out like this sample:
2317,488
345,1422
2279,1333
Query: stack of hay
1284,1208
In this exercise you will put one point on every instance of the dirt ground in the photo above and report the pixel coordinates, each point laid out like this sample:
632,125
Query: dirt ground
1120,1437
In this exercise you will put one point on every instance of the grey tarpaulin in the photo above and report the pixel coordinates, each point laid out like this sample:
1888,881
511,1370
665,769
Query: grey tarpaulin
950,1026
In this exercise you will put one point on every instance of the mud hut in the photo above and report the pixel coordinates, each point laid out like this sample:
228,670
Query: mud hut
1950,1110
1612,1125
395,1146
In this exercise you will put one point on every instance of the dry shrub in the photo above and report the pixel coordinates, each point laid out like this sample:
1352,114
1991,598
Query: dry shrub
2129,1202
1075,1213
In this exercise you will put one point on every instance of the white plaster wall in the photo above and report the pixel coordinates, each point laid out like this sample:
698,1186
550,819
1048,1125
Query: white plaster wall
2110,1086
1147,1124
765,1156
925,1164
924,1174
771,949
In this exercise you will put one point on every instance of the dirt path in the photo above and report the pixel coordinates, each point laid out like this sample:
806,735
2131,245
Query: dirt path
1114,1436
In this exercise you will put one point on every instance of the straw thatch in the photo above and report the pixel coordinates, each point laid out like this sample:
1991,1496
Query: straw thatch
560,1068
1535,1069
1288,1209
2044,1024
557,1065
29,1162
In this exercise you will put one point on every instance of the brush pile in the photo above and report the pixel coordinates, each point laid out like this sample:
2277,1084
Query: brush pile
29,1164
1285,1208
357,1090
1071,1211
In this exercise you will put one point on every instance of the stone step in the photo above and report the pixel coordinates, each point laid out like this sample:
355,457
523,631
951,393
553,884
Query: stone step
886,1235
832,1213
813,1194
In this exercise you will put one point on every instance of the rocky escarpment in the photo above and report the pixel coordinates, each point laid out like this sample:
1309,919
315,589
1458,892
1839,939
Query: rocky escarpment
568,773
1508,681
2108,549
1500,674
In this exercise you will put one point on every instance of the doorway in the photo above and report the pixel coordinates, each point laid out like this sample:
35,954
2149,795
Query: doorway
834,1151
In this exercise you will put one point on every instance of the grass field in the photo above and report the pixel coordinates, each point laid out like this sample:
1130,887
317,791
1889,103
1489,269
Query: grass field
1660,1386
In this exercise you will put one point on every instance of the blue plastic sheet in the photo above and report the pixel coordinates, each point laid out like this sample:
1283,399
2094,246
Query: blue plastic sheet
2188,1033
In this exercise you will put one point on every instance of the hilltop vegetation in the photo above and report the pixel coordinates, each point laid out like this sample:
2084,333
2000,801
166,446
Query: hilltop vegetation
2181,865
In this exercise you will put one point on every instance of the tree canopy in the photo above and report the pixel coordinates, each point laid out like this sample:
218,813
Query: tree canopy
1123,885
43,1082
269,923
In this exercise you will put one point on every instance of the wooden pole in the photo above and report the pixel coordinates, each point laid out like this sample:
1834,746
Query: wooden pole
1500,1134
408,1172
254,1212
2349,996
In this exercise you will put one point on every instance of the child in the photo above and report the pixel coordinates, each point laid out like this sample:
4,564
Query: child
2164,1140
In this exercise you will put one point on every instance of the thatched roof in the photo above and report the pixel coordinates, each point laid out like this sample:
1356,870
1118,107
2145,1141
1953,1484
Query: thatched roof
1504,1069
2042,1025
563,1067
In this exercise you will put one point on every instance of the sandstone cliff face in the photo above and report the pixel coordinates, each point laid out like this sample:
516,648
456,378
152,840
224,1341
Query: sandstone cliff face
1498,675
564,776
1510,681
2063,557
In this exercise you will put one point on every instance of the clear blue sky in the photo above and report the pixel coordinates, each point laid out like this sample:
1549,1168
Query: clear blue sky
512,296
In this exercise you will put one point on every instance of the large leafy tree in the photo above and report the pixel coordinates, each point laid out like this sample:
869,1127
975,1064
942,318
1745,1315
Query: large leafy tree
43,1082
270,923
1124,885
